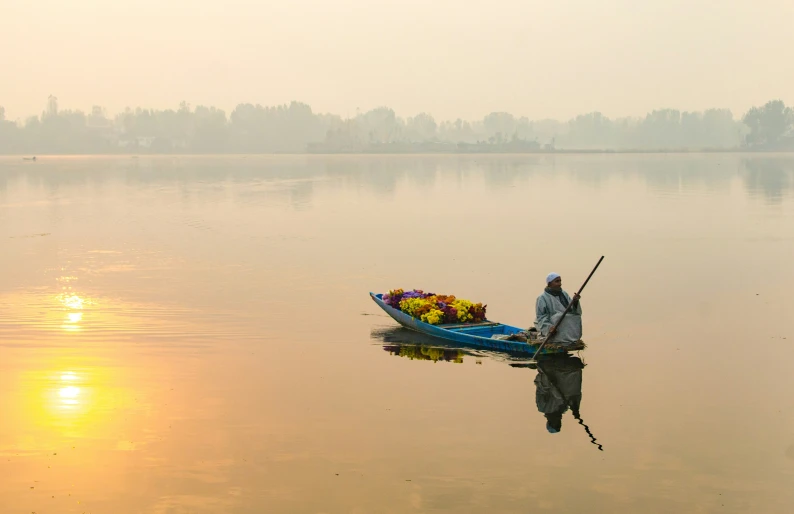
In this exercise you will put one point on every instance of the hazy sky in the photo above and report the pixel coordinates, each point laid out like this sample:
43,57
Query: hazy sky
464,58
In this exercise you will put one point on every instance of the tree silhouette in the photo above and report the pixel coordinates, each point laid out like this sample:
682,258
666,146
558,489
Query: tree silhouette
768,124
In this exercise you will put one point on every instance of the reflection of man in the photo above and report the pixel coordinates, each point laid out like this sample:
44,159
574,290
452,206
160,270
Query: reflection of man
549,308
558,386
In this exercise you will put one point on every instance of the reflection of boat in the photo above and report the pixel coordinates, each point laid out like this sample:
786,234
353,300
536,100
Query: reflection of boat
474,334
425,353
408,343
403,342
558,384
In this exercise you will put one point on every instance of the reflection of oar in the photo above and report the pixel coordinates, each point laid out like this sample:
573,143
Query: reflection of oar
567,309
575,413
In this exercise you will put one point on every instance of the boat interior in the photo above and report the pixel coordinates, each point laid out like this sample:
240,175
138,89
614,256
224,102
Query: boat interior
485,329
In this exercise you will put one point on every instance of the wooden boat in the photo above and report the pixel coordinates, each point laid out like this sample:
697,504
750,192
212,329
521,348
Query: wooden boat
479,335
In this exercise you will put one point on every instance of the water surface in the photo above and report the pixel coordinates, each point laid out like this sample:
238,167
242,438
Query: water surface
194,334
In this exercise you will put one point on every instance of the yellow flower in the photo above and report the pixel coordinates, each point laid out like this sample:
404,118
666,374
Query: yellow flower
434,317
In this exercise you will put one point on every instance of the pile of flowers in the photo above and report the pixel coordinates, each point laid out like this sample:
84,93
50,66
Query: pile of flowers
435,309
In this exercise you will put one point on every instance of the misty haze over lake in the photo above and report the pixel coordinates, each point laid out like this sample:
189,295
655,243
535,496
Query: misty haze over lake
198,198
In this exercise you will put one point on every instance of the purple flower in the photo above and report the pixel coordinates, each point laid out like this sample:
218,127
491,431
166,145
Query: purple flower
414,294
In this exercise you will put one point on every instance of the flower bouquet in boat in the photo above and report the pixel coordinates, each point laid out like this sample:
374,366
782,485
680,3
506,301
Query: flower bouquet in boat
435,309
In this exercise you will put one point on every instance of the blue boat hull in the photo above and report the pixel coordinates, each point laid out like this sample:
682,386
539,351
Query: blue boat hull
476,335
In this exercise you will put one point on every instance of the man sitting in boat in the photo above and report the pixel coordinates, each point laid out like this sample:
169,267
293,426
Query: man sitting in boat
549,308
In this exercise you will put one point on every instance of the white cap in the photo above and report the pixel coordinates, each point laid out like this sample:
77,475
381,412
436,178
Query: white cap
551,277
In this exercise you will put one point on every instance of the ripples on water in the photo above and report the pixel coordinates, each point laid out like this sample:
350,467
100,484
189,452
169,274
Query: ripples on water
185,334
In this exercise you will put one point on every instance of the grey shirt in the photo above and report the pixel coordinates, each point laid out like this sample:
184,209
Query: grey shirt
549,308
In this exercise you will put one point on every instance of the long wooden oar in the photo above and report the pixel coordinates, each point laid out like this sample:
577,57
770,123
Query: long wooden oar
553,330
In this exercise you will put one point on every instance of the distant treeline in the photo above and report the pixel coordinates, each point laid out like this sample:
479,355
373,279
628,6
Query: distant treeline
295,128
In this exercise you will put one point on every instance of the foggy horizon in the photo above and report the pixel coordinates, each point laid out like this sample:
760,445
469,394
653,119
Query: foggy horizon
527,58
358,112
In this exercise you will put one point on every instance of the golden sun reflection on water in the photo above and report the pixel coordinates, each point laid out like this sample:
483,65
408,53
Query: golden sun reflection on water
71,401
67,391
65,398
73,395
69,396
75,305
71,301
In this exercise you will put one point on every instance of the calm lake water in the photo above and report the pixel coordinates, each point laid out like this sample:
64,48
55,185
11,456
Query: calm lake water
195,335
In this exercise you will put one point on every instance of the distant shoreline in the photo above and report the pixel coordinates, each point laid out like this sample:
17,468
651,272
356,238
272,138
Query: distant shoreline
295,129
